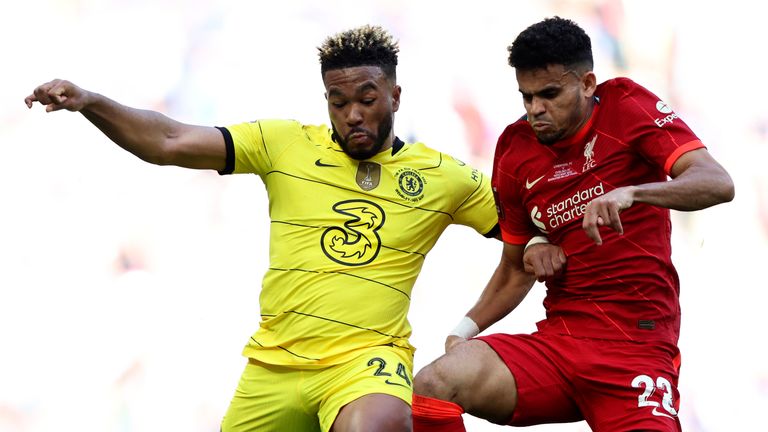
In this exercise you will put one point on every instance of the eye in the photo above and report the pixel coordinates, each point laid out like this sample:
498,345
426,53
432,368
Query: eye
338,104
527,98
549,94
369,101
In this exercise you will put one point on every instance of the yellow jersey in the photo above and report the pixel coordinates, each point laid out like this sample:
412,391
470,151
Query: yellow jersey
347,238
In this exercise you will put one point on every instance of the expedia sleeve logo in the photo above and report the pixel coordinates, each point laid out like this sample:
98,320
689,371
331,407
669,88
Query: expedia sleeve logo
410,184
663,108
357,242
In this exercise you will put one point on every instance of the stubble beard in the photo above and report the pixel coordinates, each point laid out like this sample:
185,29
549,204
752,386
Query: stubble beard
385,127
551,138
577,117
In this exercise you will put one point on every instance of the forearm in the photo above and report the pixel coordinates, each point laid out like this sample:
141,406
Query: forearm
504,292
146,134
697,188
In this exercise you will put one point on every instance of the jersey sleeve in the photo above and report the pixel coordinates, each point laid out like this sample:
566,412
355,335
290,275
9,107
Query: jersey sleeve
255,147
655,130
515,223
477,210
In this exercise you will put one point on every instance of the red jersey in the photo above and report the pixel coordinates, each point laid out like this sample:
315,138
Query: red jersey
627,288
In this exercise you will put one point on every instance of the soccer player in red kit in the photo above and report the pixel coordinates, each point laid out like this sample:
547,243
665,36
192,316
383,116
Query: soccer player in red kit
588,168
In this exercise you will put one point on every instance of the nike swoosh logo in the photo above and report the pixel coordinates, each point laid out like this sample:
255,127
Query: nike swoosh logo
320,164
529,184
659,414
394,383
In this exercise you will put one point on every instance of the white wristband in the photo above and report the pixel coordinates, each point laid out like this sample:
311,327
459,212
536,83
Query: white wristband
535,240
466,328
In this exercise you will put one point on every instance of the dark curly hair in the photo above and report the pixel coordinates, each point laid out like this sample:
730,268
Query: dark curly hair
554,41
362,46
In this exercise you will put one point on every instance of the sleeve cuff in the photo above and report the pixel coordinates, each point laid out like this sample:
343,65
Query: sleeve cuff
229,165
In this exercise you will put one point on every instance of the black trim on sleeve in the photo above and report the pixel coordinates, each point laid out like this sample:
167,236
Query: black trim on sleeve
494,232
229,165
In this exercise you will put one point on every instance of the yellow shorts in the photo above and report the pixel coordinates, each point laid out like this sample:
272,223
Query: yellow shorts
279,398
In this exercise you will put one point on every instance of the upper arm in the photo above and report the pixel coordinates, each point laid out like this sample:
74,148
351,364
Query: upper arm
198,147
699,167
699,158
476,207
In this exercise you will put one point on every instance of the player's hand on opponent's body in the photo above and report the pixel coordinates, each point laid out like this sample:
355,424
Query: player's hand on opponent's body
59,94
453,340
604,211
544,260
503,293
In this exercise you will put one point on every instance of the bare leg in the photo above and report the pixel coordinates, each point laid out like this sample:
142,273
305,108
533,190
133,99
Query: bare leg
473,376
374,413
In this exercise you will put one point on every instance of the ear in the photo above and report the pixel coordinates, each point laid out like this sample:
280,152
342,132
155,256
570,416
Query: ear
396,98
589,84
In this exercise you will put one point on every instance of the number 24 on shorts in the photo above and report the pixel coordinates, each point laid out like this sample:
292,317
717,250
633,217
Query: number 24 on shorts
402,372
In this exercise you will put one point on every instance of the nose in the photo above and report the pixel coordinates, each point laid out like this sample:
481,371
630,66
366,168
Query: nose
537,106
354,115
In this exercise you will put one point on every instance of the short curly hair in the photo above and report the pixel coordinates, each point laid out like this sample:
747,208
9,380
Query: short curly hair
553,41
362,46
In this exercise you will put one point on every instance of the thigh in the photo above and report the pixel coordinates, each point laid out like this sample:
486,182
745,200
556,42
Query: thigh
269,398
473,376
369,393
630,386
540,368
376,412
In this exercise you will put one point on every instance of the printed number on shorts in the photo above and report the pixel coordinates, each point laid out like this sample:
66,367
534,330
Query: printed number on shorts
649,387
402,372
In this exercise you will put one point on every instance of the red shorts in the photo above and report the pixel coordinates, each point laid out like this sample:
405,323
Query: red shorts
613,385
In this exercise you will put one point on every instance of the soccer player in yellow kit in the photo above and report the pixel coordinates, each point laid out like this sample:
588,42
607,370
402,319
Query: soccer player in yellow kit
354,211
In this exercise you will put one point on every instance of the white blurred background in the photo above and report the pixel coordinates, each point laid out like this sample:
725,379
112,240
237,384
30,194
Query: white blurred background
128,290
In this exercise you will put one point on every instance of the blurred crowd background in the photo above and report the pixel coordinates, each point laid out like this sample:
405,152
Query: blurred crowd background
128,290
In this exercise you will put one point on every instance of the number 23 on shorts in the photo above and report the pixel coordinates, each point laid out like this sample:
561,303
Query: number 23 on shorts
649,387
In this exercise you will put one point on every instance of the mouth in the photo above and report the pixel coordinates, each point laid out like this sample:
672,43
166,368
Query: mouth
359,137
540,126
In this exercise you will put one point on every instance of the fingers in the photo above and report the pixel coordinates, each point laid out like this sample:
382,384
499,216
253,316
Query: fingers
598,214
615,221
29,100
452,340
53,95
40,93
605,210
56,96
529,267
554,265
590,225
545,269
544,261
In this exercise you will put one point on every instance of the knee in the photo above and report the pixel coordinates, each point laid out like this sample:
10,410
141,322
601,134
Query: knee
381,421
424,382
385,423
434,380
401,423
